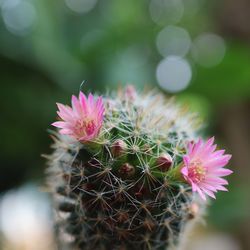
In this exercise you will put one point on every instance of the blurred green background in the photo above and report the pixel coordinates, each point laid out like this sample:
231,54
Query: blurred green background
198,50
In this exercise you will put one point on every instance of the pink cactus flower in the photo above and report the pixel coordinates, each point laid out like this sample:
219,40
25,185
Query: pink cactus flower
84,120
204,167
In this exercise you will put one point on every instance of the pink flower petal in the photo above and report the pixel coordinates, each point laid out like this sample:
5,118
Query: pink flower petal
194,187
210,142
202,195
76,106
84,103
208,187
209,193
184,171
217,180
91,100
65,131
190,146
186,160
59,124
65,112
222,172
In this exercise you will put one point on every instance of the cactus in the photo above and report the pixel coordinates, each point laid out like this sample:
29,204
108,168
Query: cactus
117,184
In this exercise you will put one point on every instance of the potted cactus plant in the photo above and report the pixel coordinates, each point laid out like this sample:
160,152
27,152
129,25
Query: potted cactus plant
129,171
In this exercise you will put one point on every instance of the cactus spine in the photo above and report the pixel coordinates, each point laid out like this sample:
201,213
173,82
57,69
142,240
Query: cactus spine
119,191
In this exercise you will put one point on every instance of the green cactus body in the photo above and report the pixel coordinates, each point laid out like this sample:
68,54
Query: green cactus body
113,192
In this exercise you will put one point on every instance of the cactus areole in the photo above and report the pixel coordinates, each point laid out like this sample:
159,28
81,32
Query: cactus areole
129,171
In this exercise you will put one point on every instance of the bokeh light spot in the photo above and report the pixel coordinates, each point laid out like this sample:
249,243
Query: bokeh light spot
173,40
166,11
81,6
20,220
18,16
208,49
174,74
192,7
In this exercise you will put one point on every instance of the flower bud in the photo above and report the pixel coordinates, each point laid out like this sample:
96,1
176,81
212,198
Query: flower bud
127,170
130,92
118,148
164,162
